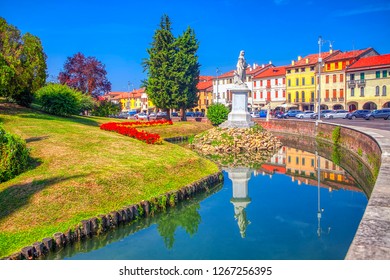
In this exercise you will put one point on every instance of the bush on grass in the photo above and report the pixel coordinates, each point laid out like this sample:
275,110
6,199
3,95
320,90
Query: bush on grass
217,113
14,155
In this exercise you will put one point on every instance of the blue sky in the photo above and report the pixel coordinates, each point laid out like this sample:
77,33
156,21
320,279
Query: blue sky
118,32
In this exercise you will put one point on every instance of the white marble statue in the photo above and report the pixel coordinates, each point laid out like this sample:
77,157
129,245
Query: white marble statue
240,73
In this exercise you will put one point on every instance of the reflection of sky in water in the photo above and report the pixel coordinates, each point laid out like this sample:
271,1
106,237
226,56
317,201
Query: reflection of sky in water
282,224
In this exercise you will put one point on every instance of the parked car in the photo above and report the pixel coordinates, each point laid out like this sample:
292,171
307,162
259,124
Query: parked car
132,113
161,115
336,114
175,114
199,114
190,114
152,115
323,112
123,115
291,114
141,116
358,114
278,114
304,115
259,114
379,114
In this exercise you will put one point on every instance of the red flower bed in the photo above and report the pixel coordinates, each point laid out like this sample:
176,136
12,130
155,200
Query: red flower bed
129,129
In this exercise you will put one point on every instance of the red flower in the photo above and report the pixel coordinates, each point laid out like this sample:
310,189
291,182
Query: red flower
129,129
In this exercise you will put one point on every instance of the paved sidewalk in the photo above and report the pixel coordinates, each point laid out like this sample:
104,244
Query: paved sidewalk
372,239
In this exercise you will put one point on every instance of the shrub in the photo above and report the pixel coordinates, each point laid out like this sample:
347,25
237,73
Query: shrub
217,113
106,108
59,100
14,155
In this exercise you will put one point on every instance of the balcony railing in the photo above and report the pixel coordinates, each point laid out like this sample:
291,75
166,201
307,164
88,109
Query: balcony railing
327,99
351,84
361,83
341,99
334,99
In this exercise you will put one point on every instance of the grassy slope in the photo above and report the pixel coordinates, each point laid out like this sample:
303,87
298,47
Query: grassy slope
82,171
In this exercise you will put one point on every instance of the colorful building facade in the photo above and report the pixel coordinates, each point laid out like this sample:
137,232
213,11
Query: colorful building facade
333,77
368,83
301,80
269,87
205,94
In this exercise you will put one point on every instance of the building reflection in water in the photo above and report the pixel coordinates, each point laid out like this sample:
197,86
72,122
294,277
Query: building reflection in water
303,167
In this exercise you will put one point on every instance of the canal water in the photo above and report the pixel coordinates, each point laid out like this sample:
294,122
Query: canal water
299,204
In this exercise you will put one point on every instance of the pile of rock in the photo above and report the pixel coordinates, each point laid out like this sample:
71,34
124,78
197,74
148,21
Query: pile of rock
230,144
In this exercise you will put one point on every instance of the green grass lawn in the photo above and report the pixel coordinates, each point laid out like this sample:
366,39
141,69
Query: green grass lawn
79,171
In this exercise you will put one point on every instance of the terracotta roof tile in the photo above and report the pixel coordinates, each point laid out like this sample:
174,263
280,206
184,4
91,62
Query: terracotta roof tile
348,55
272,72
312,59
371,61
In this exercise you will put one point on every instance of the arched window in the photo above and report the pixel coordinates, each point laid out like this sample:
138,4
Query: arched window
362,91
296,96
384,91
377,91
303,96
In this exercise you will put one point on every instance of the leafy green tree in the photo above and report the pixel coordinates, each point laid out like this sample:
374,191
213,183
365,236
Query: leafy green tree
161,83
217,113
187,71
22,64
106,108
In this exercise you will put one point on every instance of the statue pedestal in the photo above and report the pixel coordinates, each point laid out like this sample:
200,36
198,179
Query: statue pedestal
239,117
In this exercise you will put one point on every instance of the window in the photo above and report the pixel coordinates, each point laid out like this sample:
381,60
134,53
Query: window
289,159
362,91
384,74
312,96
276,94
289,82
312,80
341,78
334,93
303,69
254,95
362,76
377,74
297,81
327,66
303,81
284,81
334,78
303,96
384,91
352,77
327,94
352,91
297,160
289,97
289,71
312,162
312,68
327,79
254,83
337,65
296,70
261,83
284,94
377,91
303,161
261,95
341,93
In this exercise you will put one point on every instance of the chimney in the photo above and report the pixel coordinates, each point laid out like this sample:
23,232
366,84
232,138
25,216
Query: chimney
307,60
292,62
331,51
254,65
299,57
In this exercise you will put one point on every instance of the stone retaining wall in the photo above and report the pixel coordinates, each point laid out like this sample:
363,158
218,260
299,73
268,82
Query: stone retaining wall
103,223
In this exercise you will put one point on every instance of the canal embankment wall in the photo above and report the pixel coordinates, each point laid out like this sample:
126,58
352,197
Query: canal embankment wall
372,146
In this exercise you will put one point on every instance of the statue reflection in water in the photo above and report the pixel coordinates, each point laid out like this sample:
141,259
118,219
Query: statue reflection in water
240,177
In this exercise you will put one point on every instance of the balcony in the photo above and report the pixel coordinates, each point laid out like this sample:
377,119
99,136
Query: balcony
334,99
326,99
341,99
351,84
361,83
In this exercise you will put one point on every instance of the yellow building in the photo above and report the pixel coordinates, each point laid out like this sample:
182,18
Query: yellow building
333,85
136,100
205,94
301,83
368,83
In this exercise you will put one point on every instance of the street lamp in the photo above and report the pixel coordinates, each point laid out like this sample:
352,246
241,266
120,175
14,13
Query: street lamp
217,94
320,42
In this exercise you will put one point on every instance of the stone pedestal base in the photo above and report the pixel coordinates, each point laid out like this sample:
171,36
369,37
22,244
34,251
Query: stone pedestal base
239,117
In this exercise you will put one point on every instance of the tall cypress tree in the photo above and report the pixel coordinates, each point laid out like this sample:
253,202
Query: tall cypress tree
187,71
160,84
